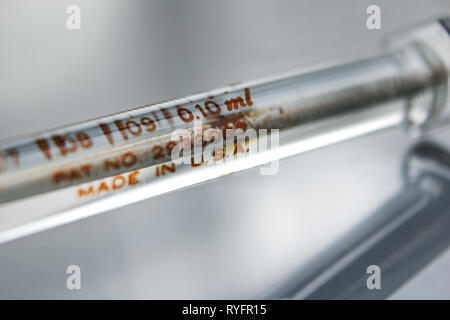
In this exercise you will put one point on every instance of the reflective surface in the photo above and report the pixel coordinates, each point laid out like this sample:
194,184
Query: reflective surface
232,238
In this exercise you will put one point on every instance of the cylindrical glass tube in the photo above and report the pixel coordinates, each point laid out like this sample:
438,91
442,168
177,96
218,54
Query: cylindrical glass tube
111,161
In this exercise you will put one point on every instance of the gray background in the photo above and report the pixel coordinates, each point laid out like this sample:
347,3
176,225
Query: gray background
235,237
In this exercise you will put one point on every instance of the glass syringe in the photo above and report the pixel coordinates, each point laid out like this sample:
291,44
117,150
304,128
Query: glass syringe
76,171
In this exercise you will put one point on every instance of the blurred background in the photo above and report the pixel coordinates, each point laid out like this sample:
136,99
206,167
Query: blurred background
235,237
